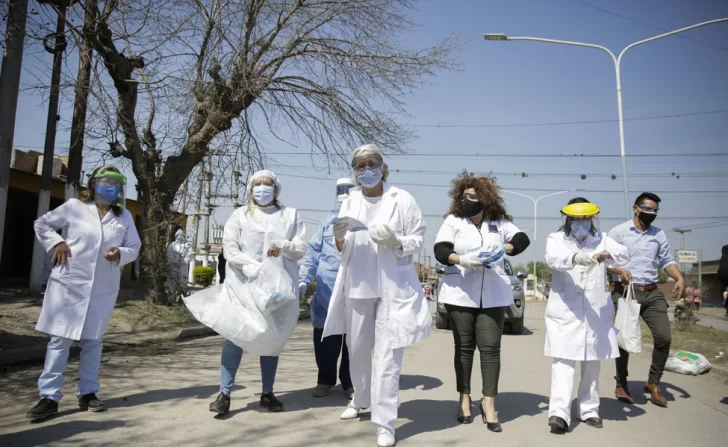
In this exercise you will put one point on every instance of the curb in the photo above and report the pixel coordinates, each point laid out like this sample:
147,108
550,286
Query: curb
36,354
33,354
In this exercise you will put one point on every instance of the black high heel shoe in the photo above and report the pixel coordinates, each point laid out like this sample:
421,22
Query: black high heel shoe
492,426
466,419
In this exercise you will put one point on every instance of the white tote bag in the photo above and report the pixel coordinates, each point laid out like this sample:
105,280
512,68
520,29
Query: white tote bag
629,335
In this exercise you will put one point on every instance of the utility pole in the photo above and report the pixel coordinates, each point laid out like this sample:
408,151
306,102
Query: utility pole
208,200
46,180
9,83
196,225
183,201
78,124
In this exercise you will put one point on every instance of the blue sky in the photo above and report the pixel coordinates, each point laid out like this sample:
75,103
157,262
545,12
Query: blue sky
509,84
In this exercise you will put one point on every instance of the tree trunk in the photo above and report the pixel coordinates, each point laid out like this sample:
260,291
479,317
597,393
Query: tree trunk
157,220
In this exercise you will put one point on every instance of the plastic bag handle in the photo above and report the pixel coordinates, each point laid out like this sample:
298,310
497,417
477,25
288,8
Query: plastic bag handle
629,292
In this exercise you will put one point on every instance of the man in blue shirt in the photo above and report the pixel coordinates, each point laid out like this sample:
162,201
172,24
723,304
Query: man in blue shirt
322,263
648,250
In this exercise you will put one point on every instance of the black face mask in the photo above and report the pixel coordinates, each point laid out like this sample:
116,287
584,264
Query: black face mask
646,219
470,208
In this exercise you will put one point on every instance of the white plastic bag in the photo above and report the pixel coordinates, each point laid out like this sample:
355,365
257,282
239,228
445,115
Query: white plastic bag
629,336
235,310
690,363
272,286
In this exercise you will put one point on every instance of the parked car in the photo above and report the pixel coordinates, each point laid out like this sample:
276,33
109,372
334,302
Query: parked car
514,313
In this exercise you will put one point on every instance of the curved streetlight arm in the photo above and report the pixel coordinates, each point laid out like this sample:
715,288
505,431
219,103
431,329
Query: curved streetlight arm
569,42
677,31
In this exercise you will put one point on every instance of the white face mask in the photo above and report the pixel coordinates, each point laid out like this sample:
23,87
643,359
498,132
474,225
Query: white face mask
263,194
180,237
340,199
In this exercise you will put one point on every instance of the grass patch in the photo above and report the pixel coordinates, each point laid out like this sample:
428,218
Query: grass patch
700,339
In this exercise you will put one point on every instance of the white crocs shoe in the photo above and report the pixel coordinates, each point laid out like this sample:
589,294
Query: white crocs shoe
350,413
385,438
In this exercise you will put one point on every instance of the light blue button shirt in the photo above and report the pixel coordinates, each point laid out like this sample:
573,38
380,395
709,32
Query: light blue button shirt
647,251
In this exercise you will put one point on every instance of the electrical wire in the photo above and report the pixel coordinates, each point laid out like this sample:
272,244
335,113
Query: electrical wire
589,5
526,189
564,123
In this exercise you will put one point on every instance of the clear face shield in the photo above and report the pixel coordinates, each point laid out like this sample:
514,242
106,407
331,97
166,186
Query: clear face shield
180,237
580,227
110,189
580,220
342,192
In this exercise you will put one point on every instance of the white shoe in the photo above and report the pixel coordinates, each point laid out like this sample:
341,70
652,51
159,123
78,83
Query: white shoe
350,413
385,438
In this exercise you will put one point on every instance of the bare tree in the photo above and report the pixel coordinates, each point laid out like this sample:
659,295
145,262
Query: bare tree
192,76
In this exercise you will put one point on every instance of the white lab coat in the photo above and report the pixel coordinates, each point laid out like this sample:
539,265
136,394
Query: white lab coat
409,319
231,311
480,287
579,323
179,256
80,295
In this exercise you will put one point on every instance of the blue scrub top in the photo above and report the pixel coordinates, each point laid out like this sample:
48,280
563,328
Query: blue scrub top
322,261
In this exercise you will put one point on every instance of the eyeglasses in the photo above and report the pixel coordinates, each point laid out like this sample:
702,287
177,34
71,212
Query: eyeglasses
472,197
108,181
361,164
649,209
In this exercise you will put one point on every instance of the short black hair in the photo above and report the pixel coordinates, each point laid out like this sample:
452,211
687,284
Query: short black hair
647,196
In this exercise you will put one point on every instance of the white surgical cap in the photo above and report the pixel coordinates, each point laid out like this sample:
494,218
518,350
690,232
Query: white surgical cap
264,173
366,150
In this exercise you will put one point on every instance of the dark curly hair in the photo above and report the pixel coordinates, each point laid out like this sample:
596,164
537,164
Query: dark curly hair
493,206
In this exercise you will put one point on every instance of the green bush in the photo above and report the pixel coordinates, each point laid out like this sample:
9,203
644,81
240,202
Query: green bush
203,276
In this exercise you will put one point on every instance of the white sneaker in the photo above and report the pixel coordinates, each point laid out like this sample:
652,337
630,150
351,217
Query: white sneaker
350,413
385,438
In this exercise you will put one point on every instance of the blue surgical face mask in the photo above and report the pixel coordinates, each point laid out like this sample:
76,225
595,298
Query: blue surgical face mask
263,194
107,193
370,177
580,228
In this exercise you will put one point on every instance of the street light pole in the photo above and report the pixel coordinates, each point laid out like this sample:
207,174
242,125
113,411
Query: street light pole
535,222
617,68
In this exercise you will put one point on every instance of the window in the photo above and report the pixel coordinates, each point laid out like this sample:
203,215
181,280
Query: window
507,266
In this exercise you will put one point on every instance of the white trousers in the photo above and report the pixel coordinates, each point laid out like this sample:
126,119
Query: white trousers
562,388
375,377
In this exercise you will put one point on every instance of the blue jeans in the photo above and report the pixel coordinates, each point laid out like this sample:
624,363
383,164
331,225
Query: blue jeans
51,380
231,356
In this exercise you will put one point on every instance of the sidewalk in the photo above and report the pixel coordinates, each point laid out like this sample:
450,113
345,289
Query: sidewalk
160,399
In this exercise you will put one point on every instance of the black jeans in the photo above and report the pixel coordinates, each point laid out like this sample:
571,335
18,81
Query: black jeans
653,310
483,328
327,356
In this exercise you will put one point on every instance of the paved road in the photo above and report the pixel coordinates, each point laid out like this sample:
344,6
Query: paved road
161,398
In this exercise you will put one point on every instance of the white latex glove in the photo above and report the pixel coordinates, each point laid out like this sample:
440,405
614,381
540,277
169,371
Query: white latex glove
383,234
251,270
302,290
340,230
584,259
470,261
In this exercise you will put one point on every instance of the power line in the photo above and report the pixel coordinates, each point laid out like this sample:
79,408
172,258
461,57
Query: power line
516,155
521,189
486,155
547,174
589,5
317,210
567,123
